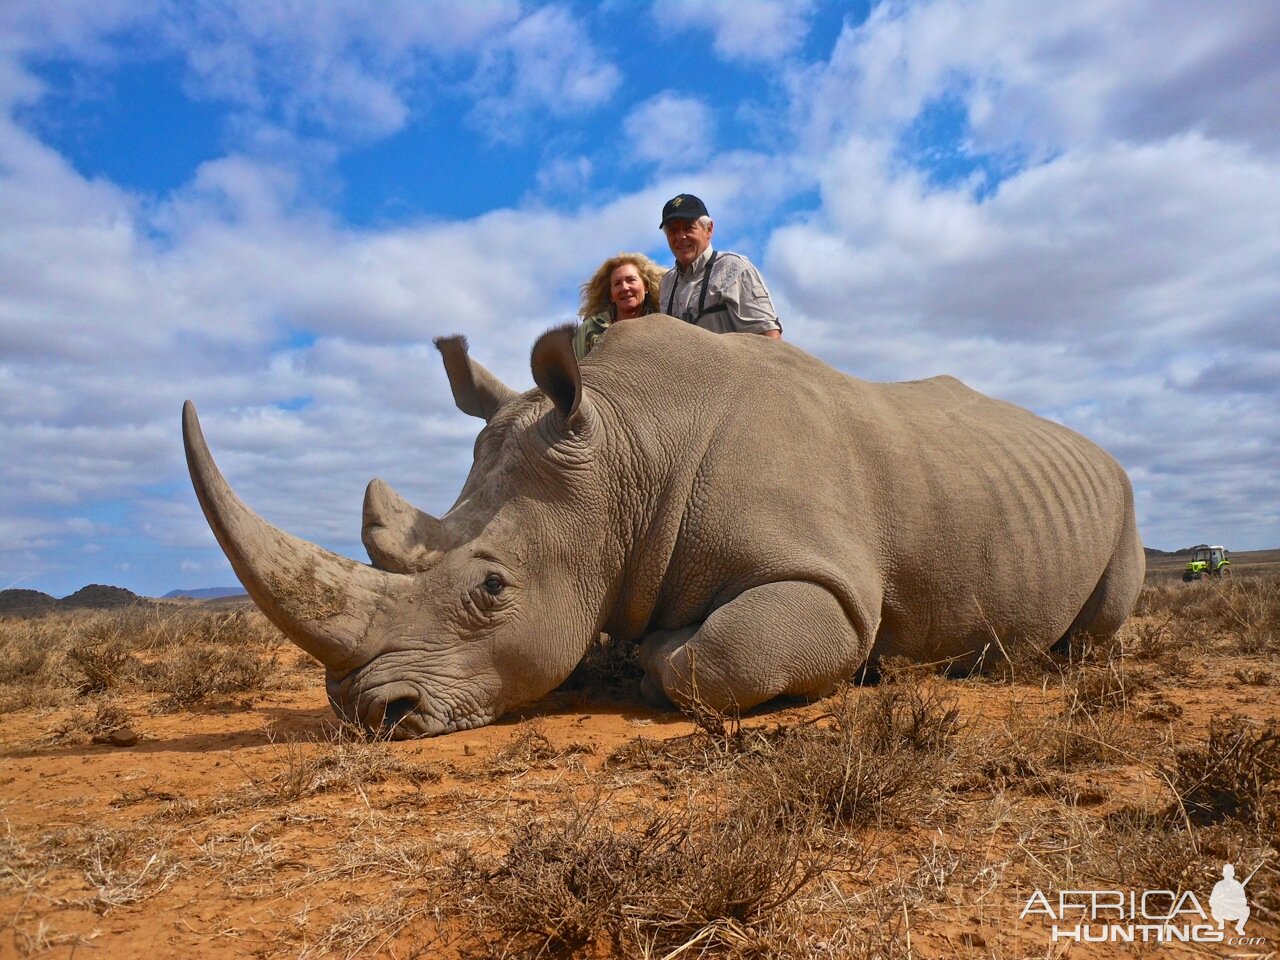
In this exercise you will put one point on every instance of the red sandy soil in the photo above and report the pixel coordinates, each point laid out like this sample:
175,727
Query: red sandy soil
180,846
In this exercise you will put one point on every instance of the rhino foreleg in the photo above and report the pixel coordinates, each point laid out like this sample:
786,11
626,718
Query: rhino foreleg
789,638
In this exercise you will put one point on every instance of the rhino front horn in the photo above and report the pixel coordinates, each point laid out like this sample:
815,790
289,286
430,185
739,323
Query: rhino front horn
322,602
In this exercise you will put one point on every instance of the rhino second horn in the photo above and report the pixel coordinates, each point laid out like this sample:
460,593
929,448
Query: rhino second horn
399,536
322,602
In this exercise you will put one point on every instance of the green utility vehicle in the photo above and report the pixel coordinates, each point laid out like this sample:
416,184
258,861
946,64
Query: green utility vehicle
1207,561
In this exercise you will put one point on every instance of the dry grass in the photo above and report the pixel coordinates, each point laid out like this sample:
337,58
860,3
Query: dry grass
891,820
185,655
345,759
1234,775
699,874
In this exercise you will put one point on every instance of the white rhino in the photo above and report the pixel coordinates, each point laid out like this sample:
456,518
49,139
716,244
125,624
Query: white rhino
762,524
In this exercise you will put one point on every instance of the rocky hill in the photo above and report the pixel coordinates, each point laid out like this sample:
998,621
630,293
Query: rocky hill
26,603
96,596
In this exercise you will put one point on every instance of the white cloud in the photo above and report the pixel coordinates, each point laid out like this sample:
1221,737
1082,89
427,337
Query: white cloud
758,31
671,130
1043,77
565,176
1122,279
353,68
545,62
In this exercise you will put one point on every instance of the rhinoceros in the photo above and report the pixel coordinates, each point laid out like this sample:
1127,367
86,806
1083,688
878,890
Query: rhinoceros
761,523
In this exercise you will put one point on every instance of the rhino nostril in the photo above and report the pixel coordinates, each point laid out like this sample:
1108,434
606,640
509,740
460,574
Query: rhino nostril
397,710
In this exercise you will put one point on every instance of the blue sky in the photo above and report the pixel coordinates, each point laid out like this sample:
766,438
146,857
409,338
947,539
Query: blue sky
271,208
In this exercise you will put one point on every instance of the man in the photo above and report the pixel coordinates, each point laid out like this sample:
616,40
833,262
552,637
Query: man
719,291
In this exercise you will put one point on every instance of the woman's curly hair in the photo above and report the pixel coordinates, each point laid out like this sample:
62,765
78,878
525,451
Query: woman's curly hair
595,292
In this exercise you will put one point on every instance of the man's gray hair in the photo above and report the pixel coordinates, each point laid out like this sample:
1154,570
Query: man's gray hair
704,221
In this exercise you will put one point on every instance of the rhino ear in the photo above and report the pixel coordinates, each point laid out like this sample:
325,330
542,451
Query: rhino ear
476,391
555,371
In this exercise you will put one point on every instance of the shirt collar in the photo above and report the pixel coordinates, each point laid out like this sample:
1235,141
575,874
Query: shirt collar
695,268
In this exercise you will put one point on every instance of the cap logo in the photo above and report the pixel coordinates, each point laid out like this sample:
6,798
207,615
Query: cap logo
677,201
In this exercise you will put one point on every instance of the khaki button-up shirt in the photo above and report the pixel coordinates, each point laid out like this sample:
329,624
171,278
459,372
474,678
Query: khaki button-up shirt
734,282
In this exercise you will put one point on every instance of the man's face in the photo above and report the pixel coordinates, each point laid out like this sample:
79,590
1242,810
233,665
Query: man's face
688,239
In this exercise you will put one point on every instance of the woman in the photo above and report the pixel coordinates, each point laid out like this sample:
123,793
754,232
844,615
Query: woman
624,287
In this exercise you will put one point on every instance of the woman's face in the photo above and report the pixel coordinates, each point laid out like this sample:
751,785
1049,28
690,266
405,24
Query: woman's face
626,289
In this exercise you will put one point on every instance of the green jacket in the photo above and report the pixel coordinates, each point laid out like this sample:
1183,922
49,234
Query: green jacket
592,328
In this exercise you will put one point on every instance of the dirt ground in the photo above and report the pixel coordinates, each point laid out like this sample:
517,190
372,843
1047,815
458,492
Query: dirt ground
249,824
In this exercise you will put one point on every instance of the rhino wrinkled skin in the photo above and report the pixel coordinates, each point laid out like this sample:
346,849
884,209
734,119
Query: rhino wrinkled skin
762,524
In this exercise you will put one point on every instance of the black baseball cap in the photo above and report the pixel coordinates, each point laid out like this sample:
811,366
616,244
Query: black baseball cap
683,207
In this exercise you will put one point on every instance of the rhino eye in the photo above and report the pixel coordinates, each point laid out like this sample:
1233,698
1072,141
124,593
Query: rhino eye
493,584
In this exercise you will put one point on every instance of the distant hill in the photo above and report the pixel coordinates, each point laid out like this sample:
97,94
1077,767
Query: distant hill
205,593
96,596
26,603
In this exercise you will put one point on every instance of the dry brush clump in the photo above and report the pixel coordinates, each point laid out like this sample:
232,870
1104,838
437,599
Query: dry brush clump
1242,611
183,655
1233,776
344,758
880,754
112,866
743,860
1223,807
708,875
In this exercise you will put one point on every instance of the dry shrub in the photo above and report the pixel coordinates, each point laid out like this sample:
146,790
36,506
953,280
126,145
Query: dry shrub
185,654
29,666
1234,775
101,658
366,929
1039,742
1090,690
119,866
674,760
106,717
718,744
1254,607
1167,601
531,749
347,760
1256,676
883,754
193,673
697,876
123,868
1243,609
1131,847
908,712
1149,639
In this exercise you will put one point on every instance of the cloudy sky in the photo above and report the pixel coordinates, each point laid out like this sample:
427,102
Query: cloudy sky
272,206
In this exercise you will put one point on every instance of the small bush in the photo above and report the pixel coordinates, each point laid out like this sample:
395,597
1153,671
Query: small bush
192,673
698,875
1087,691
185,654
346,760
103,663
883,756
1234,775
